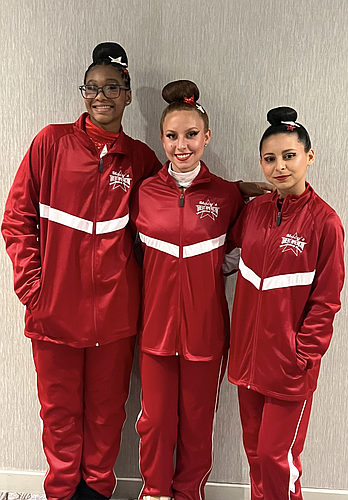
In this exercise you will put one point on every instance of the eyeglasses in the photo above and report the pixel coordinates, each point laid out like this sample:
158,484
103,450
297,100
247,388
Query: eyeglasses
110,91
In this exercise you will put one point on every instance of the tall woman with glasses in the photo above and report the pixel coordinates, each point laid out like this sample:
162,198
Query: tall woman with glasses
65,227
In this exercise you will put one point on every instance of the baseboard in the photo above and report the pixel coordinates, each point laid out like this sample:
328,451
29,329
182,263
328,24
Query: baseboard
128,489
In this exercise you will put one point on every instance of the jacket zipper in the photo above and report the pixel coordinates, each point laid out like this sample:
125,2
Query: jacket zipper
279,215
181,228
100,168
100,171
182,198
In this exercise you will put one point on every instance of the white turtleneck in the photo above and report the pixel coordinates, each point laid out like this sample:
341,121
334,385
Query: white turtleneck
184,179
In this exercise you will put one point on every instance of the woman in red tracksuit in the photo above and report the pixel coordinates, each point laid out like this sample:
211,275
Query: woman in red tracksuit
290,277
65,227
183,215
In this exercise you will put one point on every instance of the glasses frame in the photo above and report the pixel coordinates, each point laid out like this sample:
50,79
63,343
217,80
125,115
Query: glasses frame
82,89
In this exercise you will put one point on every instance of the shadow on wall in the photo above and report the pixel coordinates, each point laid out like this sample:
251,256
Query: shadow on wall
151,106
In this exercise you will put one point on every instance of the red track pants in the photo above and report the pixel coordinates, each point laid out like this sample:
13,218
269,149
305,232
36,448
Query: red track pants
274,432
178,408
82,394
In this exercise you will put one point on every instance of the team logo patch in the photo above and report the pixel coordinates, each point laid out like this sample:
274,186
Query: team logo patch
119,179
294,243
207,209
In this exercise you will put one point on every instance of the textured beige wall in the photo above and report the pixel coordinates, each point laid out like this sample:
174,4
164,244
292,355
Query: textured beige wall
246,56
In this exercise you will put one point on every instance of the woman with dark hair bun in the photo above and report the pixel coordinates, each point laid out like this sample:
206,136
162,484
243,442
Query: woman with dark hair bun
65,227
291,273
183,215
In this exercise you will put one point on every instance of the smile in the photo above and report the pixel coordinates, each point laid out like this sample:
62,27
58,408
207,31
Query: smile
183,157
101,108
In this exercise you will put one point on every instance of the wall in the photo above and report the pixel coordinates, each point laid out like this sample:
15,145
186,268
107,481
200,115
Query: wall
246,56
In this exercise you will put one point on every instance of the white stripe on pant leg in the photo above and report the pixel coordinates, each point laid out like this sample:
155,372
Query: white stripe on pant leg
294,473
212,434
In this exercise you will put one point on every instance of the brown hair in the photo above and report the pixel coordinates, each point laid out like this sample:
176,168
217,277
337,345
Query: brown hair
182,95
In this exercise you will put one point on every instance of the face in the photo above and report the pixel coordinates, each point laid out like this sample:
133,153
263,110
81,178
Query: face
184,139
107,113
284,163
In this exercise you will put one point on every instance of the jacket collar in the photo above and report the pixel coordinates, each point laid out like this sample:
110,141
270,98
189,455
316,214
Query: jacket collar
293,203
121,145
203,176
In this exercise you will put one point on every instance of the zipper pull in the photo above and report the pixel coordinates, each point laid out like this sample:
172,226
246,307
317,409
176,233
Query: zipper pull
182,198
279,218
100,168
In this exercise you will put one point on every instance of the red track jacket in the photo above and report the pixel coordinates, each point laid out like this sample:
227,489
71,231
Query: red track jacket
184,241
287,293
66,232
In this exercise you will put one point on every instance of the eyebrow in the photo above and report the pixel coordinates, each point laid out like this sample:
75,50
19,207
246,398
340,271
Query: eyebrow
285,151
195,129
108,80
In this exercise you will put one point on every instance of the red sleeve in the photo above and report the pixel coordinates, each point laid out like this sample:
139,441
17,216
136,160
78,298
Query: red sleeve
234,237
20,226
151,165
315,334
232,256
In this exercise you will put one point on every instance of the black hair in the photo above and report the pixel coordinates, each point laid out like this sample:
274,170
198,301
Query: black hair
182,95
110,53
283,121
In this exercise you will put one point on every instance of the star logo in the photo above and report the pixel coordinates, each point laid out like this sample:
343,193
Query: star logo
294,243
207,209
290,127
119,179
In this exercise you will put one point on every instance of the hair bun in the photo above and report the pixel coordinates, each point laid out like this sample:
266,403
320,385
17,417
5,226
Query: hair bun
177,90
110,50
282,114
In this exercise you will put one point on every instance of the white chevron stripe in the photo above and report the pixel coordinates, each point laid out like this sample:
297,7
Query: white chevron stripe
279,281
65,219
249,275
162,246
203,246
285,280
84,225
109,226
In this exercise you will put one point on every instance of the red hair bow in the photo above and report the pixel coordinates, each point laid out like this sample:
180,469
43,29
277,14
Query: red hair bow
190,100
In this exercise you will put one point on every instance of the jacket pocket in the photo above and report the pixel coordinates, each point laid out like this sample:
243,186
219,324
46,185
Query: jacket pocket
31,305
